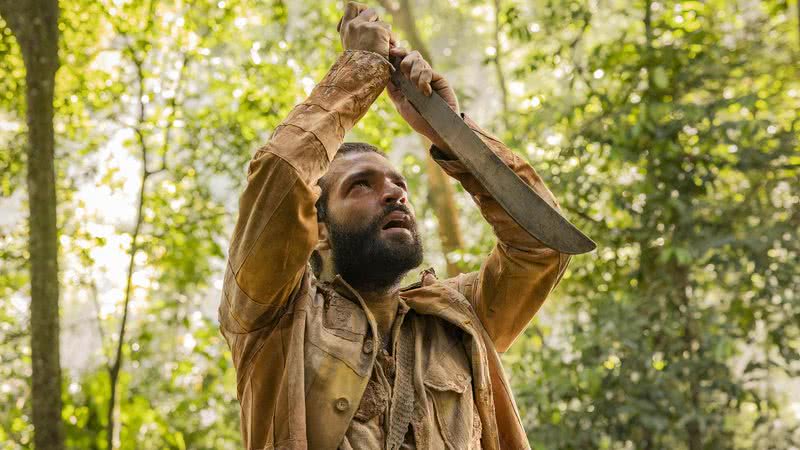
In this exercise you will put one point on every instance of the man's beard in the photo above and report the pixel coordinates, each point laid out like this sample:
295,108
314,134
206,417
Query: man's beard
370,262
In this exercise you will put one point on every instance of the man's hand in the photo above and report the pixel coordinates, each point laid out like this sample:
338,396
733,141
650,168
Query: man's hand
427,81
361,29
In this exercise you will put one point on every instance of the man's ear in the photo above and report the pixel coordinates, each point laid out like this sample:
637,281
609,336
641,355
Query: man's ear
323,244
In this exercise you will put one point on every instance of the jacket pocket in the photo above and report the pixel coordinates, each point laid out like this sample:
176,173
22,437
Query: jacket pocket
344,319
448,384
339,328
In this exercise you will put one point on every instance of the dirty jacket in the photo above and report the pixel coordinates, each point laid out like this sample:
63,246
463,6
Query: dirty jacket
300,374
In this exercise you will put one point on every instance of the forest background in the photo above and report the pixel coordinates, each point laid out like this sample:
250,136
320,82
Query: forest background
667,130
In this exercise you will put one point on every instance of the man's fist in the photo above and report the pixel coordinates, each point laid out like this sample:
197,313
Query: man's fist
361,29
416,69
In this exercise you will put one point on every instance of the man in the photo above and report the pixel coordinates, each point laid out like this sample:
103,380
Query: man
341,356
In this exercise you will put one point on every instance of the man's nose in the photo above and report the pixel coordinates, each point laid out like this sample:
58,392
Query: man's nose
394,194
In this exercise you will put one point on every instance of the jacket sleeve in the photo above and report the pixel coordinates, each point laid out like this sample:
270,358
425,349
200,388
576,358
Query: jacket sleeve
520,272
277,225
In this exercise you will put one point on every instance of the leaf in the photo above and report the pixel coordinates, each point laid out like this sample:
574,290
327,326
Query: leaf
660,78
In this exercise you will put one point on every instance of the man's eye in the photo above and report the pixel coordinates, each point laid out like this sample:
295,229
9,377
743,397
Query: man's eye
364,183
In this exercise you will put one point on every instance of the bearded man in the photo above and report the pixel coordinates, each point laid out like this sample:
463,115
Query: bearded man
330,352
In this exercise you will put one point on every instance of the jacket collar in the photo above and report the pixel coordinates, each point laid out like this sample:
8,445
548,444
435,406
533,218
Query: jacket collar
343,288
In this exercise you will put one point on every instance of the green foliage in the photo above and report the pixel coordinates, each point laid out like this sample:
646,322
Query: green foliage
668,131
677,128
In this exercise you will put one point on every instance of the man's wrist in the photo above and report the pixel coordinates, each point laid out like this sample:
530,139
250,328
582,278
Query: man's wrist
359,72
383,57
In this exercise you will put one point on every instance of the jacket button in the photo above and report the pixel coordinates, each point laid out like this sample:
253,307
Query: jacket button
369,346
341,404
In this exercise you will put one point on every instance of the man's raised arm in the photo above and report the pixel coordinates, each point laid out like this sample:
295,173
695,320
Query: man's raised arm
520,272
277,225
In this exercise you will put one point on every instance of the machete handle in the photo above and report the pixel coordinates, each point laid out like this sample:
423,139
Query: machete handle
395,62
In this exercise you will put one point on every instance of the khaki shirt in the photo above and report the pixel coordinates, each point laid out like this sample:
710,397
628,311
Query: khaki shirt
304,351
421,339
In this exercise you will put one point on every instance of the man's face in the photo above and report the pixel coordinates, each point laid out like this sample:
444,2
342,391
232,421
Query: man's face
371,225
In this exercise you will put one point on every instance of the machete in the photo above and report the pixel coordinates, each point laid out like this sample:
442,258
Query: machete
519,200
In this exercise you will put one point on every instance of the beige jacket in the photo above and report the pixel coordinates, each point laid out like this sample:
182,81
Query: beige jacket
302,350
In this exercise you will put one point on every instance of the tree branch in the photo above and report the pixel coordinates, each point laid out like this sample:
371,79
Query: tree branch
116,365
498,66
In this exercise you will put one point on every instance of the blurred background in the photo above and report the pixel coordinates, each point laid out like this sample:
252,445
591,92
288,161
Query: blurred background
669,131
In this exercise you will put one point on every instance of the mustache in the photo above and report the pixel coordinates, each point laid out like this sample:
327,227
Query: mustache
388,209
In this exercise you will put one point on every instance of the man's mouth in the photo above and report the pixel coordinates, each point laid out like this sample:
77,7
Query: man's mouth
397,219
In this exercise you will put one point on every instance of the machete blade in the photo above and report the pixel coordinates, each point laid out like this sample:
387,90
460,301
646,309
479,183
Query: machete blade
519,200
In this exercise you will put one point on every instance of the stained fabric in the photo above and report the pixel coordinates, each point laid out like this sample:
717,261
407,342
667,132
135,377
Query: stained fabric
392,415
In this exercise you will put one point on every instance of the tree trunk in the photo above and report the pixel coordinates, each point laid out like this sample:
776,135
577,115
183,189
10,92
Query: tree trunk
440,189
35,26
